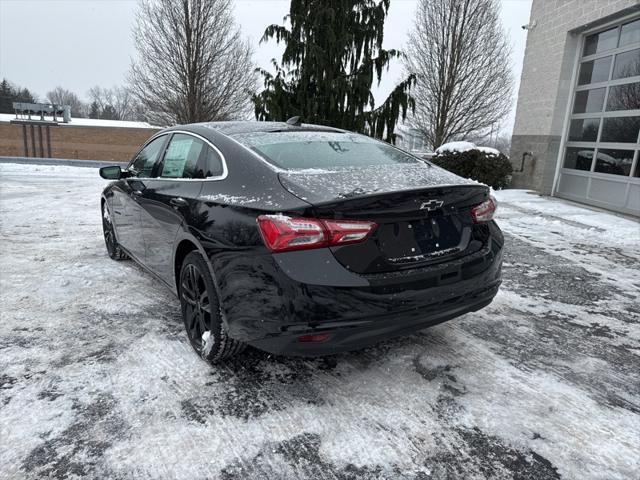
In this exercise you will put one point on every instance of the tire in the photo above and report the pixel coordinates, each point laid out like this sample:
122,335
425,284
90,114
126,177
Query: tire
201,312
113,249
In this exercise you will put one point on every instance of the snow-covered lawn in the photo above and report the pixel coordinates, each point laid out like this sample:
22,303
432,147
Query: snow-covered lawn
97,378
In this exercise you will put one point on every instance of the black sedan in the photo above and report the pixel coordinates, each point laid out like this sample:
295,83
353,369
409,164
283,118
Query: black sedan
301,239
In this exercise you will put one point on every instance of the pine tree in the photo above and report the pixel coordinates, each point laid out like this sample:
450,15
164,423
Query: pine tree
108,113
7,96
24,95
10,93
94,110
332,57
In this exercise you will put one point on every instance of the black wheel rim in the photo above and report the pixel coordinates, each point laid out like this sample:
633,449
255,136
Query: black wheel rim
107,227
196,304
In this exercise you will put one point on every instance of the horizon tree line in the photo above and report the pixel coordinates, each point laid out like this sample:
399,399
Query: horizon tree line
115,103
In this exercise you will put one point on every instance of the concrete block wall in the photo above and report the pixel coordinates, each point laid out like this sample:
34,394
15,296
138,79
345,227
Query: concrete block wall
545,84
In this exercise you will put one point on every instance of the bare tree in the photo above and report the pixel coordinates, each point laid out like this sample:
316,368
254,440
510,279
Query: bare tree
119,101
461,59
62,96
193,65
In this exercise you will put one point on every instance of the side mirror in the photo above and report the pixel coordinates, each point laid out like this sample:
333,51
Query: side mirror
111,173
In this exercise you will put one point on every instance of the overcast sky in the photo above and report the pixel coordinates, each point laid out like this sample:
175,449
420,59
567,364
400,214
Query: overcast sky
81,43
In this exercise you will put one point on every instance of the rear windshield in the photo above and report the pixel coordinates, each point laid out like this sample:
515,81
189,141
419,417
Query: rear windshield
322,150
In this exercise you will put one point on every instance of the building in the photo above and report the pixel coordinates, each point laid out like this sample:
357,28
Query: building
577,128
409,138
82,138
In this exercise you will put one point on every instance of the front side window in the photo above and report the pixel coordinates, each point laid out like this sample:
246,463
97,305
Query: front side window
321,150
142,165
182,158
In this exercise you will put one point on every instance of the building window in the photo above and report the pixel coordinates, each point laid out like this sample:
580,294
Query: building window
616,162
578,158
601,42
595,71
589,101
630,33
604,129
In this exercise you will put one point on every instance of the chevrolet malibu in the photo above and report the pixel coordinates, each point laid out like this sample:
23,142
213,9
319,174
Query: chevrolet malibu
301,239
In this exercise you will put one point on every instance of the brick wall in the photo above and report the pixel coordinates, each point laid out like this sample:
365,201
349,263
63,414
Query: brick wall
545,83
76,142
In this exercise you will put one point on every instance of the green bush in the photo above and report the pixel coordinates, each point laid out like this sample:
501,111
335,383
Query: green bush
494,170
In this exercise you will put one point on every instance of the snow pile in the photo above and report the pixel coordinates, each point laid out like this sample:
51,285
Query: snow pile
456,147
489,150
459,147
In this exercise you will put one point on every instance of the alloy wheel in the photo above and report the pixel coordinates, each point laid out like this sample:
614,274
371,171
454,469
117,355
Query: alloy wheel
109,235
197,311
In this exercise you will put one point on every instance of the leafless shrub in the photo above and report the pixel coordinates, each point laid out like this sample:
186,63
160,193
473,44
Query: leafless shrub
193,65
62,96
118,100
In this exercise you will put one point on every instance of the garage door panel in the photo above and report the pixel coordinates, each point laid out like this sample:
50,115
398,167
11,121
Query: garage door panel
608,191
633,199
573,185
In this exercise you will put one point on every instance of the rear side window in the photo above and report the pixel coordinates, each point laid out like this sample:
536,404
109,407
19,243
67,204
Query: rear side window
313,149
142,165
182,158
212,163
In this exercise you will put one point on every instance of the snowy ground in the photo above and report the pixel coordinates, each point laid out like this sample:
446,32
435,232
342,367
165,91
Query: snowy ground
97,378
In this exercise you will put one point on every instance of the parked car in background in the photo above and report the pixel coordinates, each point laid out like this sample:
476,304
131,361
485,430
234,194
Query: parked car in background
301,239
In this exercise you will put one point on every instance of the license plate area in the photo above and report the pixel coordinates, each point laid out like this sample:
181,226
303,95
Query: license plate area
420,239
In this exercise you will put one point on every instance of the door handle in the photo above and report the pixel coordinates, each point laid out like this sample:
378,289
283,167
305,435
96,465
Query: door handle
178,202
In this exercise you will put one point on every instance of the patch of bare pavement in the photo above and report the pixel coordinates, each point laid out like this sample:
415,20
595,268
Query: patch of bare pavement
97,379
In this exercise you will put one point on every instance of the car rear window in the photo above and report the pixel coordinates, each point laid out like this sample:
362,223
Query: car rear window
322,150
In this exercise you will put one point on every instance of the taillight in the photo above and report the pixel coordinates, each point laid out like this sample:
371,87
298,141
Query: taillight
347,231
314,338
281,233
484,212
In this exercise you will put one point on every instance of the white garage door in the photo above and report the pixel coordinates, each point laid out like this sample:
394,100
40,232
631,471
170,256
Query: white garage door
600,163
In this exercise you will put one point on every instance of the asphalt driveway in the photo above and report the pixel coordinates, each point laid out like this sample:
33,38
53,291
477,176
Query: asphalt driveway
97,379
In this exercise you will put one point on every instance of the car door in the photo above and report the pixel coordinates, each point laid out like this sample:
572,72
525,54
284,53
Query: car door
126,201
170,199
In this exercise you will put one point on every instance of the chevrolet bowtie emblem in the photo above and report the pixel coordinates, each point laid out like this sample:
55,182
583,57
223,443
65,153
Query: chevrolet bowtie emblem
431,205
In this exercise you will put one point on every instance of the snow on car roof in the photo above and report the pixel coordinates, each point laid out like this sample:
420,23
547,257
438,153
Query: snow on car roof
238,127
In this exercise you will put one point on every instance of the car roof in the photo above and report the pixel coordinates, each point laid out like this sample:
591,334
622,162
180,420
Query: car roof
239,127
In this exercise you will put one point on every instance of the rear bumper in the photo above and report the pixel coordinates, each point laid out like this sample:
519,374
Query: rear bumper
269,301
356,334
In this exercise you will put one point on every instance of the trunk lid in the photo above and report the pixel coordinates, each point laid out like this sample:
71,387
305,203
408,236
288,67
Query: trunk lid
422,212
